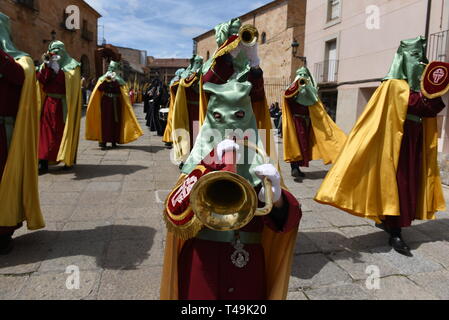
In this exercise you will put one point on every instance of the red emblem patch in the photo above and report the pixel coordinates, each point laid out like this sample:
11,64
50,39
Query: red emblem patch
435,81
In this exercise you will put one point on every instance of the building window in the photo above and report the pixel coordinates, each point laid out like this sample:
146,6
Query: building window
333,9
27,3
85,66
263,39
331,62
207,55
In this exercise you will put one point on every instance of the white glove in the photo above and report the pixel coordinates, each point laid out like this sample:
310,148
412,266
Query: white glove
269,171
111,75
250,52
252,55
227,146
54,64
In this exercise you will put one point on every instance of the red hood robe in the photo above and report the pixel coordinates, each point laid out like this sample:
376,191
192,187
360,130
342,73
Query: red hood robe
52,116
411,157
388,166
205,269
111,112
19,194
11,84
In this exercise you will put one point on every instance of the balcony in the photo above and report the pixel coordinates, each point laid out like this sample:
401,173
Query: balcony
326,71
438,46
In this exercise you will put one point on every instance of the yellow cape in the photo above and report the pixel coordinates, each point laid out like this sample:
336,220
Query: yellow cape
278,263
130,129
180,122
326,138
363,180
19,193
168,129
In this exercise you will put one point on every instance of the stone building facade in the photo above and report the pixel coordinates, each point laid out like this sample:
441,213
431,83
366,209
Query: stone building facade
35,23
350,46
279,23
134,64
165,69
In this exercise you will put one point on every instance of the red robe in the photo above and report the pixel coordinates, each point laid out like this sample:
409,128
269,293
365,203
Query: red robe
110,118
206,271
224,69
10,90
301,117
410,158
52,121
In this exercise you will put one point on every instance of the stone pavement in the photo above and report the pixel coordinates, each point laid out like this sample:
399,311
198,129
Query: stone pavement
104,217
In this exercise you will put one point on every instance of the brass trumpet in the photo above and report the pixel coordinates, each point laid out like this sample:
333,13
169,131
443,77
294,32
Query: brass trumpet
248,35
225,201
303,81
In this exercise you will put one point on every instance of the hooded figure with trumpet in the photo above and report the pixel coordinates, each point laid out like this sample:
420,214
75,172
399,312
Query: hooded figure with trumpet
110,117
19,129
232,227
309,133
236,58
388,169
60,81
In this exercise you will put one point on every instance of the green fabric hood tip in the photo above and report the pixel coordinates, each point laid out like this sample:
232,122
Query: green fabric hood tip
308,94
6,42
177,76
224,30
66,62
409,62
115,67
196,66
227,100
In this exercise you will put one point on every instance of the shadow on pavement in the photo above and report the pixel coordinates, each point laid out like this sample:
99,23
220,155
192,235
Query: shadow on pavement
149,149
92,171
114,247
312,262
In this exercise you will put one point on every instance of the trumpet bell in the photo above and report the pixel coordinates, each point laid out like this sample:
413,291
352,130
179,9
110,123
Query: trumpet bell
223,201
248,35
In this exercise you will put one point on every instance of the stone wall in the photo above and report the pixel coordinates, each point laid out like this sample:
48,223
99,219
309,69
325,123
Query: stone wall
31,29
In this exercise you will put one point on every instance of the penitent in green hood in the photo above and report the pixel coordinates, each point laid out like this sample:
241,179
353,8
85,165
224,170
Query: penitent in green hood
409,62
308,94
6,43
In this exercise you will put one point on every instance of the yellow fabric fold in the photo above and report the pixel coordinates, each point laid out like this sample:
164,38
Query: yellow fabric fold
368,162
130,129
168,129
19,193
180,122
70,140
326,138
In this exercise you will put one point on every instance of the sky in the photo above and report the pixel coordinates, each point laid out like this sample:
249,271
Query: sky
165,28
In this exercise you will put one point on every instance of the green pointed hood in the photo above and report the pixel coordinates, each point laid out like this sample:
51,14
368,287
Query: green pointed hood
196,66
6,43
308,94
409,62
177,76
224,30
117,68
66,63
228,99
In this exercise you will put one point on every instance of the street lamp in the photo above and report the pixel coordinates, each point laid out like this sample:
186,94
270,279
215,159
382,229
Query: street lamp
53,37
295,46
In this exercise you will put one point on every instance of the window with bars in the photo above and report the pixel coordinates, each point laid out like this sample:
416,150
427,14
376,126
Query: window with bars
27,3
333,9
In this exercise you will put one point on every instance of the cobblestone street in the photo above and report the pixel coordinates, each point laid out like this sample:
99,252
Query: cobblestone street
104,217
